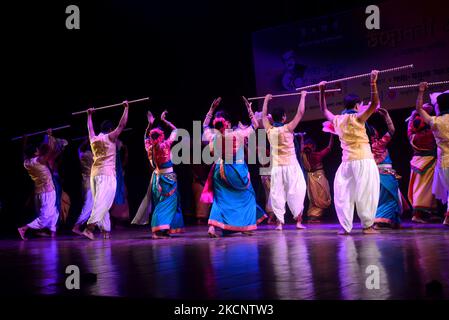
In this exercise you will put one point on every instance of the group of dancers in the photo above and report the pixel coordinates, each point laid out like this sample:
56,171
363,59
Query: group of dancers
365,179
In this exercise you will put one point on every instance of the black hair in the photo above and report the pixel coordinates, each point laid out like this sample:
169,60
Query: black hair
222,114
309,141
155,135
351,100
277,114
443,102
106,126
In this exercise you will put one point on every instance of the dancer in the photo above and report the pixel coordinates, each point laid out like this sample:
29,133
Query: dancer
357,179
228,186
440,128
422,166
86,160
163,190
102,178
287,180
389,207
318,189
36,163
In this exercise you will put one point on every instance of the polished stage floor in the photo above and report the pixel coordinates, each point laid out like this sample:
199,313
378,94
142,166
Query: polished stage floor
311,264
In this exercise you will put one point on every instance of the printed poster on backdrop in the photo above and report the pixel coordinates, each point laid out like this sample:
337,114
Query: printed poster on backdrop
332,47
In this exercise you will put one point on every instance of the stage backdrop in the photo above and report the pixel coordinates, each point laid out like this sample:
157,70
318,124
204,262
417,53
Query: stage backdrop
340,45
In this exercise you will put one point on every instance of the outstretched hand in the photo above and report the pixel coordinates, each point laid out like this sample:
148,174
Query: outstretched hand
423,86
383,112
150,117
322,85
374,75
268,97
248,104
215,103
164,115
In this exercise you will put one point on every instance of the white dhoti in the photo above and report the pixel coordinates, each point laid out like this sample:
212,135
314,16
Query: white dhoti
287,186
103,192
440,187
356,183
88,203
48,212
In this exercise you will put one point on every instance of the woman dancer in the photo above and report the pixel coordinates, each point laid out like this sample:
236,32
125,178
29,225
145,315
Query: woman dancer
318,189
440,128
163,190
422,166
389,207
229,187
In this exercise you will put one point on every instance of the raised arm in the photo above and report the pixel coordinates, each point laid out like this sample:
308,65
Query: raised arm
265,121
172,136
384,113
90,125
323,105
419,103
299,113
210,114
364,116
253,119
113,136
150,118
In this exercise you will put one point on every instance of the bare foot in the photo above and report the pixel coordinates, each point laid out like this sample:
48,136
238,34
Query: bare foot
88,234
446,221
418,220
300,226
53,234
106,235
248,233
76,229
211,232
343,232
278,227
22,232
157,235
370,230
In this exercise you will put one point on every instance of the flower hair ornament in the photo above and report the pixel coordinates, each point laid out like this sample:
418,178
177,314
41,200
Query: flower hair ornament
156,135
220,124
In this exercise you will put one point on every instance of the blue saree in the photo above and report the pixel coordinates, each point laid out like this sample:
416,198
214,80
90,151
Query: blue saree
162,199
389,208
234,205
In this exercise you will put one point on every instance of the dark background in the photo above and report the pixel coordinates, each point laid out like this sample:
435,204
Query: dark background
180,53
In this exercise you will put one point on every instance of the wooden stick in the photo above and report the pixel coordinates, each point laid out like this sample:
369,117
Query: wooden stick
416,85
292,94
111,106
40,132
85,137
409,66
